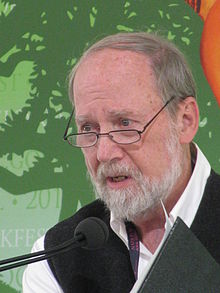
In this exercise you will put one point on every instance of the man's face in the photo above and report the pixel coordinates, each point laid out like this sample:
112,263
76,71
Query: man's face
115,90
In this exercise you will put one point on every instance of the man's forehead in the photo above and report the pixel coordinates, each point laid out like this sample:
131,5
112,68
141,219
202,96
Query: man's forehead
109,67
112,58
123,80
113,114
110,112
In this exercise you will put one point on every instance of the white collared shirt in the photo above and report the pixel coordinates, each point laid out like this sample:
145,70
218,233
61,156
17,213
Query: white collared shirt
39,278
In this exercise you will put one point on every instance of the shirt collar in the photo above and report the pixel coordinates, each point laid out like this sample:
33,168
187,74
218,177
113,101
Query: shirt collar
188,204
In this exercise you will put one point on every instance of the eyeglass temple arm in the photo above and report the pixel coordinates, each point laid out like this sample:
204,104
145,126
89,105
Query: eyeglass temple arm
68,125
164,106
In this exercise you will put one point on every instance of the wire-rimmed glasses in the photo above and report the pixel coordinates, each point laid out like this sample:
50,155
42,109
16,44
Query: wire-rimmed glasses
125,136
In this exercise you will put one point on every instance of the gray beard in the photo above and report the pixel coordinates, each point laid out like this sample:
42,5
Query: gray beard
137,200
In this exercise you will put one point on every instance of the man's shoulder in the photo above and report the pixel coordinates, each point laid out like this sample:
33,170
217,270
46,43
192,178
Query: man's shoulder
206,223
213,185
96,208
214,178
64,230
210,202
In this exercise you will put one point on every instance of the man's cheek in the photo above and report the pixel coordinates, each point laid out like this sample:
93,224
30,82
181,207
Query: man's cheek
90,164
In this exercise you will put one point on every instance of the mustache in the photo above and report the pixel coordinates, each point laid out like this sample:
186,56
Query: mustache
114,169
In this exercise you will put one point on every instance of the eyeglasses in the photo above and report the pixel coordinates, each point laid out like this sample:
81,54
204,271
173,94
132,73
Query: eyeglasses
126,136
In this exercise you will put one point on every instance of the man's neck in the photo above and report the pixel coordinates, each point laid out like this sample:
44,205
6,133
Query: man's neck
151,229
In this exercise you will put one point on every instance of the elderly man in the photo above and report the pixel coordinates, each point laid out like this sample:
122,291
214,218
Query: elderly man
136,115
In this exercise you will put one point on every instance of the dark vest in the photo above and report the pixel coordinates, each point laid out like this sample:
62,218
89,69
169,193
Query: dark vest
109,269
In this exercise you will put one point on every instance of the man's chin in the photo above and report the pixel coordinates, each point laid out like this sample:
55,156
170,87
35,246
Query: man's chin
129,211
132,216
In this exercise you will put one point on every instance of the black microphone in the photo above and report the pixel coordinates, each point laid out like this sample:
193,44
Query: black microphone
91,233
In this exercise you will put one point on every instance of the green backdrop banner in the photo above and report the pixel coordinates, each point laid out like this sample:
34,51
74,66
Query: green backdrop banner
42,179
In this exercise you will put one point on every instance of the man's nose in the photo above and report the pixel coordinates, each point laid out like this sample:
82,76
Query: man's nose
108,150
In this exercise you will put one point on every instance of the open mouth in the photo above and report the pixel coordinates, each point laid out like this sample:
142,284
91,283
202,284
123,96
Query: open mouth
118,182
118,178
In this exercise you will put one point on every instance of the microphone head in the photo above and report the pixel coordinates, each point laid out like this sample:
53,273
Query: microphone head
92,232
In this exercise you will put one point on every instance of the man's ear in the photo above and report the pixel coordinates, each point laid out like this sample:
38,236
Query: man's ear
187,119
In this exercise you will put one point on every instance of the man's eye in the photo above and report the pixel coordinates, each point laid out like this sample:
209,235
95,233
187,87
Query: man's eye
86,128
125,122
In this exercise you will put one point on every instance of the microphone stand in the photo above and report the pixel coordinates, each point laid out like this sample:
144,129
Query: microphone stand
77,241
